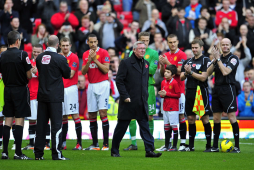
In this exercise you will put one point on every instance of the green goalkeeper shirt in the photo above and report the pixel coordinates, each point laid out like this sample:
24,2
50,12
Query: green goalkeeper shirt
152,57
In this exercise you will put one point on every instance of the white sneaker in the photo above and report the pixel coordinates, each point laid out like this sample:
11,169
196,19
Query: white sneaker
161,148
13,147
93,148
182,148
1,147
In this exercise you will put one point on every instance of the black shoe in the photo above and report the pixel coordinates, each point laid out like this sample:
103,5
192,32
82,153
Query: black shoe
131,147
236,150
41,158
5,156
22,157
152,154
115,155
62,158
208,147
213,149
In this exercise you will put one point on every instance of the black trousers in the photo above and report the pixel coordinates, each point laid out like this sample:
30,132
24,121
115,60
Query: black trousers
46,111
121,128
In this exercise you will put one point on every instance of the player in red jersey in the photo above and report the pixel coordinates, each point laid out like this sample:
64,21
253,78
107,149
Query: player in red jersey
33,86
96,65
71,105
176,57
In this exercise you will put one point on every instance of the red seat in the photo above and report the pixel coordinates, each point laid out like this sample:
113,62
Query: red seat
29,54
37,22
118,8
28,47
127,16
160,14
124,22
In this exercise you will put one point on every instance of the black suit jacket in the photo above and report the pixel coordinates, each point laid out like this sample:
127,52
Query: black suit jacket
132,82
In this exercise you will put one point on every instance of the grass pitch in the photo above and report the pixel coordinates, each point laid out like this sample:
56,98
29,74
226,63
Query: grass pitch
135,160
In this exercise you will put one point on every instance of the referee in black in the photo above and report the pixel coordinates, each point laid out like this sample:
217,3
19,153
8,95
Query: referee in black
51,67
16,69
224,92
195,71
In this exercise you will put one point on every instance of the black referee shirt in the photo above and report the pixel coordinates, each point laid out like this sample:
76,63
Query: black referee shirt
14,64
197,66
231,61
51,67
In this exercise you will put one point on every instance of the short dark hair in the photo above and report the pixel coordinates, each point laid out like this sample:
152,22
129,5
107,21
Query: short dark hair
159,33
38,46
65,39
198,41
247,82
147,34
111,48
180,8
172,68
12,37
172,36
247,69
202,8
3,46
202,18
91,35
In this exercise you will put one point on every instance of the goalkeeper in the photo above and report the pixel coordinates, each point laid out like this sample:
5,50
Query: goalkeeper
152,57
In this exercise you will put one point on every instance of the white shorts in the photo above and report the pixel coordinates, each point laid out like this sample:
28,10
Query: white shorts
171,118
1,114
98,96
162,100
34,108
182,104
70,104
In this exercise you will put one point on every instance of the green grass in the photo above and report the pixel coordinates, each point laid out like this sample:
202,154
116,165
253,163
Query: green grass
135,160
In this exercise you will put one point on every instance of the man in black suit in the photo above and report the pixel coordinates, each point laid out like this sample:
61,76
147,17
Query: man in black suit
132,83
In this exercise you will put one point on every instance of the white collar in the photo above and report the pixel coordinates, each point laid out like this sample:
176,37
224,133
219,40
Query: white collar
51,49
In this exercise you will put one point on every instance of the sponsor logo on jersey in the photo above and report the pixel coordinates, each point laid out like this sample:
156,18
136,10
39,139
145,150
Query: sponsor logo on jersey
147,56
107,59
175,58
97,57
93,65
233,61
28,60
74,64
46,59
198,66
156,62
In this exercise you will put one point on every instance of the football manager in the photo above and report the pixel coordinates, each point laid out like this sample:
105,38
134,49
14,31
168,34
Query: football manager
132,83
51,67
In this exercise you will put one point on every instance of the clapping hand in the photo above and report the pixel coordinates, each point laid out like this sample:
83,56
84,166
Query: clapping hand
34,70
162,93
163,60
92,55
215,52
187,68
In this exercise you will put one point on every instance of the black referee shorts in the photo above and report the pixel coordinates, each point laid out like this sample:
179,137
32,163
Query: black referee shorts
224,99
190,100
16,102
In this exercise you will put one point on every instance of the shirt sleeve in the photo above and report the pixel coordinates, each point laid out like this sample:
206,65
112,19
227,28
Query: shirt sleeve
182,59
233,63
74,63
154,63
26,61
182,69
85,59
65,69
206,63
105,57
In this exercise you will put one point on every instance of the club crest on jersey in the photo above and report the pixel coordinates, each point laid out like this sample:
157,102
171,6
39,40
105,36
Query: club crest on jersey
198,66
146,66
233,61
156,62
46,59
74,64
106,59
68,61
28,61
170,87
175,58
147,56
97,57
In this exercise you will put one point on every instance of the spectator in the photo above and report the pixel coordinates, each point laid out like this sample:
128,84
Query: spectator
203,33
114,64
84,10
41,36
63,16
224,28
243,62
247,14
204,13
26,9
169,10
156,23
110,30
193,11
251,76
159,44
245,101
15,26
82,96
6,16
189,53
247,38
238,8
67,31
133,32
47,9
180,26
115,93
250,24
98,25
144,7
83,32
228,13
111,51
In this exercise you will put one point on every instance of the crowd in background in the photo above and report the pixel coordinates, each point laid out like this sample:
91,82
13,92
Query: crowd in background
117,23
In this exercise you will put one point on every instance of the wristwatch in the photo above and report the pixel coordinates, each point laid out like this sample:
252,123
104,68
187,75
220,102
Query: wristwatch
185,74
218,59
191,72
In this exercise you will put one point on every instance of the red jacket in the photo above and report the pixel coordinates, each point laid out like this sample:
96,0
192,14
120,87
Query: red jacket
231,15
57,20
171,100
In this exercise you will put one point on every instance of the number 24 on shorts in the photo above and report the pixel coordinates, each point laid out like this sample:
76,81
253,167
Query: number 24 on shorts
73,107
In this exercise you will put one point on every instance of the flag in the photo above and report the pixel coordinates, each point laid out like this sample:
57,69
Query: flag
199,107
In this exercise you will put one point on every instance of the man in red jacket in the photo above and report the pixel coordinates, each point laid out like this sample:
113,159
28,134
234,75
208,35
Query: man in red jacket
226,12
58,19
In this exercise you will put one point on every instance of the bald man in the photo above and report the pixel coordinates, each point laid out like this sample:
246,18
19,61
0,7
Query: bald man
155,22
52,67
224,92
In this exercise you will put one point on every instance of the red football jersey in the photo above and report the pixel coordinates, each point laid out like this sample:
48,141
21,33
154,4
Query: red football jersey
177,59
33,83
171,100
95,75
73,61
